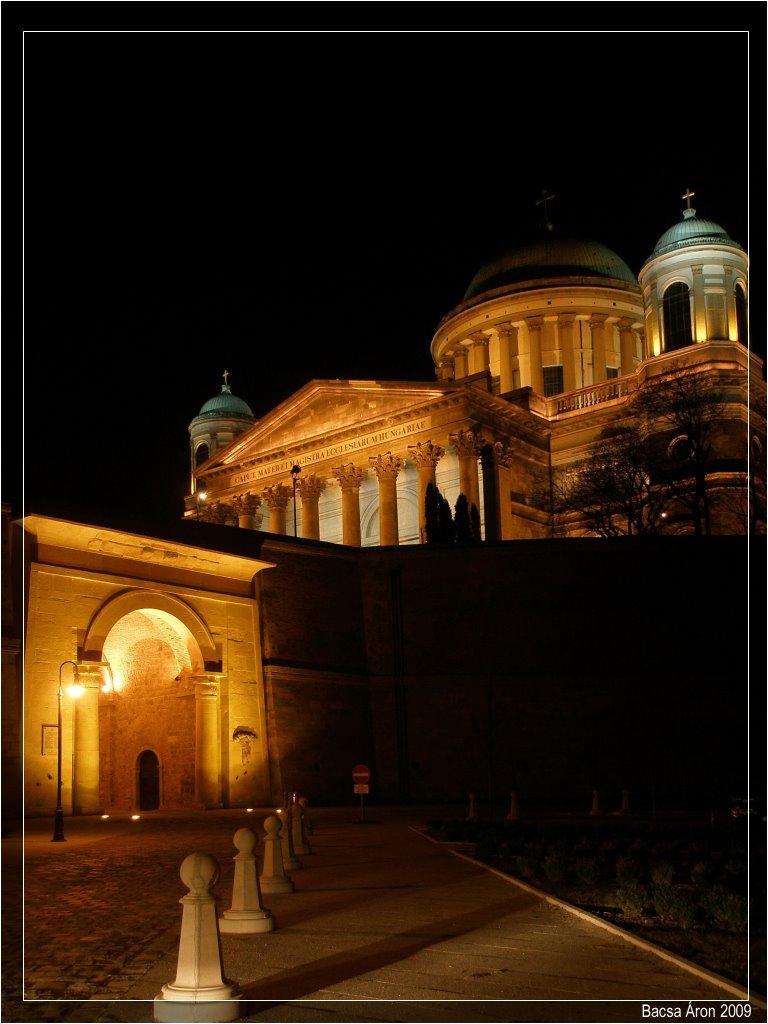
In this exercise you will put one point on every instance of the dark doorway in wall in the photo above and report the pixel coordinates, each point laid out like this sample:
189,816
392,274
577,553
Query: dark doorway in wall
149,781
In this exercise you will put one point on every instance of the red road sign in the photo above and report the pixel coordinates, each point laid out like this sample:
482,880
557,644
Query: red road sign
361,773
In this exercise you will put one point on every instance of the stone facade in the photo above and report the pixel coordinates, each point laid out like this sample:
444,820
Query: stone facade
251,664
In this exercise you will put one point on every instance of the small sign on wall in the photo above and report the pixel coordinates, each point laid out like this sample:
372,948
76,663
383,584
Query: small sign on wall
362,787
50,741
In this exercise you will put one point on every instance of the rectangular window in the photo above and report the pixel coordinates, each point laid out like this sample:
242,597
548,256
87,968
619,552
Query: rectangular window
611,372
553,380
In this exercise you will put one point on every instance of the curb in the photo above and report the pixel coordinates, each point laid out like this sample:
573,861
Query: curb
729,986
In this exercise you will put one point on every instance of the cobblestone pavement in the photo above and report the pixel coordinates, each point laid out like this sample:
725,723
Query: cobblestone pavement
378,913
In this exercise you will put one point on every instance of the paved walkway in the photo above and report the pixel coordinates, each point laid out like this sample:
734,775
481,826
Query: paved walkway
383,925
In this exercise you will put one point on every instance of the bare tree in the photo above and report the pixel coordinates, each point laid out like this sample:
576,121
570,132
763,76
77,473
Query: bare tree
612,492
681,416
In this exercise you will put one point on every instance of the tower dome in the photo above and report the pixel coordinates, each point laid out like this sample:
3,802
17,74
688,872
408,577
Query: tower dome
691,230
221,419
225,404
695,286
547,259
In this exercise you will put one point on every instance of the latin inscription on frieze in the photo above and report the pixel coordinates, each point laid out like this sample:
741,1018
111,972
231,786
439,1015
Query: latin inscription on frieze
342,450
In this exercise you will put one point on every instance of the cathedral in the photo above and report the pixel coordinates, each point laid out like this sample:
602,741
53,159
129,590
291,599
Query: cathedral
297,619
554,346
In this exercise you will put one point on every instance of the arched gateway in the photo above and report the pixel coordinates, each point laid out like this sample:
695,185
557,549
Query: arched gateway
163,639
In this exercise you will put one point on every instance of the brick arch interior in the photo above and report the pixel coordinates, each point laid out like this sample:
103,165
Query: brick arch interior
154,654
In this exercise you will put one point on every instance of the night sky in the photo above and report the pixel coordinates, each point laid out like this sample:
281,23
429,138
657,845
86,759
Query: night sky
290,205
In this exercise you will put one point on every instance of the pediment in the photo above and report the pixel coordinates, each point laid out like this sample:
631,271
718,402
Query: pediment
321,408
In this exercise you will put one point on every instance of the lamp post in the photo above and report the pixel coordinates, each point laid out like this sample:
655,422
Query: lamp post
200,498
295,470
58,817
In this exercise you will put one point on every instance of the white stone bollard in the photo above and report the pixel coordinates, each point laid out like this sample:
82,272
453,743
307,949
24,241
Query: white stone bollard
273,877
514,810
199,992
595,802
246,915
300,844
290,860
304,804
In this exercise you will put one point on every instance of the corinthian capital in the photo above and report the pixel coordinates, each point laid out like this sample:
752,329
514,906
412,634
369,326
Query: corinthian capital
426,454
388,465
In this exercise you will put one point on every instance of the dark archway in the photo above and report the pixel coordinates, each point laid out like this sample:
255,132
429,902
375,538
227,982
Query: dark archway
149,781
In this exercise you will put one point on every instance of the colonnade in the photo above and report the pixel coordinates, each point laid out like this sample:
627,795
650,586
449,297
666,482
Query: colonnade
559,332
248,510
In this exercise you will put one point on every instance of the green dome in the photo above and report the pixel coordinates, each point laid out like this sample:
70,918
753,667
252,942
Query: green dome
691,230
550,258
226,405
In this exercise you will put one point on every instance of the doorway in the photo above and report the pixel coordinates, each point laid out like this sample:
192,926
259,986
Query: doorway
149,781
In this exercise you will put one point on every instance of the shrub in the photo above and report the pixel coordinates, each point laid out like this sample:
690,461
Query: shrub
682,907
587,869
631,899
526,866
662,873
701,872
663,900
728,909
628,871
554,867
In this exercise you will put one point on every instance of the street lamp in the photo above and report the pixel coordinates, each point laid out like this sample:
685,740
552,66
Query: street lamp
58,817
295,470
200,496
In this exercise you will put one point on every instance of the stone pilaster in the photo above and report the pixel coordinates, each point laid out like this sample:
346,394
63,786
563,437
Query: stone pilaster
207,766
85,768
565,325
699,317
509,362
597,325
387,467
627,346
535,325
461,361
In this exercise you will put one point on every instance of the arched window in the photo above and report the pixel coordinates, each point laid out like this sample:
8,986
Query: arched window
741,315
677,317
201,454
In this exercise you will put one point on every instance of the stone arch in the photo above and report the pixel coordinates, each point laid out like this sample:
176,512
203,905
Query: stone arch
123,604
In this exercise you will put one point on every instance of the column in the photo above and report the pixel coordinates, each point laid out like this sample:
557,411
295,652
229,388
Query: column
387,467
310,488
565,325
426,456
461,361
246,506
627,345
469,445
478,353
207,767
534,325
597,326
699,317
276,499
350,478
509,363
85,773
